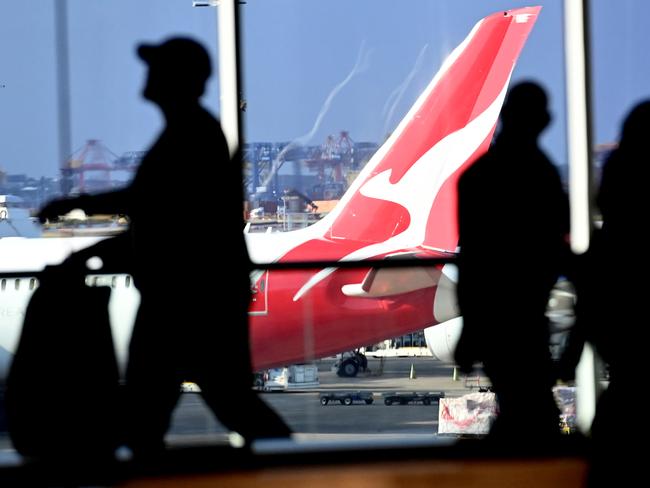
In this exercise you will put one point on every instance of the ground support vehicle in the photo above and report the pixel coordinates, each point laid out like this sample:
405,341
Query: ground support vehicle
404,398
349,363
347,397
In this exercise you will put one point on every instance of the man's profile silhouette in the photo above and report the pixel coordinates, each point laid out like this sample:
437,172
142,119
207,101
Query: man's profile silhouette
612,303
189,327
513,223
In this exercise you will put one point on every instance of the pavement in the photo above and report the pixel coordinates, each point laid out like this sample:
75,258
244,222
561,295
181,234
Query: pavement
193,423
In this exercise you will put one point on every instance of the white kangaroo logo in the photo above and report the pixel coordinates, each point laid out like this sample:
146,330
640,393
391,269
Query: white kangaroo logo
418,188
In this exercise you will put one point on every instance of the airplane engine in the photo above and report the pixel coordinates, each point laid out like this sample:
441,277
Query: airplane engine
441,339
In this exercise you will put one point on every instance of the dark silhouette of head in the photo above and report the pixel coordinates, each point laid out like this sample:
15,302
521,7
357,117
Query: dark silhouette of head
525,111
636,127
178,70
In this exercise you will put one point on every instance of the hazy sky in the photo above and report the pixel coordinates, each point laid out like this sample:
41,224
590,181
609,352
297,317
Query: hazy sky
296,52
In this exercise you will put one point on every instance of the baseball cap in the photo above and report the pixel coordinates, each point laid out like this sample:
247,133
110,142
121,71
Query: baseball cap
180,54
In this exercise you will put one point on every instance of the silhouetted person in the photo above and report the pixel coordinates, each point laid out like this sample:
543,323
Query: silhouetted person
195,289
612,305
513,223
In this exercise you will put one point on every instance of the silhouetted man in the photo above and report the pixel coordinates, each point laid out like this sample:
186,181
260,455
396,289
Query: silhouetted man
192,320
513,224
612,305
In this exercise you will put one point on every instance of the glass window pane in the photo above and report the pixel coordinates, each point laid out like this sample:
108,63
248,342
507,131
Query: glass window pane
109,124
620,94
327,83
619,68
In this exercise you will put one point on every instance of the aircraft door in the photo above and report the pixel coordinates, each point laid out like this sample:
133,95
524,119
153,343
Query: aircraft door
259,293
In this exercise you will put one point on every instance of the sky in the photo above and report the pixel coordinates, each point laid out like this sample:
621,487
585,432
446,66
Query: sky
296,53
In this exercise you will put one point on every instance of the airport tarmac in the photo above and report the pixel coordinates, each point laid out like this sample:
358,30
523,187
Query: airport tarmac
193,423
310,420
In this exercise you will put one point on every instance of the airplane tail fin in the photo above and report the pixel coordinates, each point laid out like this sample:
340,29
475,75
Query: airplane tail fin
410,183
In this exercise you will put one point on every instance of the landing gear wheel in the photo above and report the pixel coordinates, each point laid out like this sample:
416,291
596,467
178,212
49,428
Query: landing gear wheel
348,368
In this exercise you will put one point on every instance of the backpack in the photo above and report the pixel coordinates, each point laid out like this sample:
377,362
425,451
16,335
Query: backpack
62,392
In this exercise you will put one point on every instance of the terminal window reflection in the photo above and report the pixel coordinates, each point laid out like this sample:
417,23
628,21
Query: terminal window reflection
107,128
333,103
98,146
294,180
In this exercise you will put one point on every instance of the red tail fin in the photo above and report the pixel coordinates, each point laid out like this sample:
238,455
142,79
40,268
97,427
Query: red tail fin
406,194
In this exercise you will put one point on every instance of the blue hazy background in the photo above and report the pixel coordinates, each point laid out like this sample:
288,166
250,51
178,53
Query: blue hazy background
295,53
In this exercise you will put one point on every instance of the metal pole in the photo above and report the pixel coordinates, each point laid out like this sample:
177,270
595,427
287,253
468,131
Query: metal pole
63,86
229,80
577,58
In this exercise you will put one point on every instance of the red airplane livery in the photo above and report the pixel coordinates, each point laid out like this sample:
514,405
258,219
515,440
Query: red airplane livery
402,204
